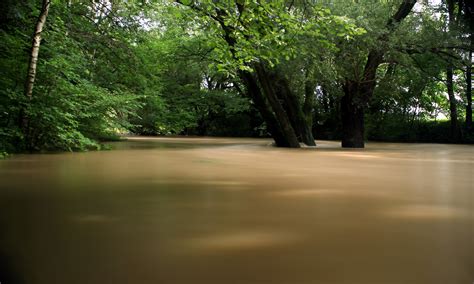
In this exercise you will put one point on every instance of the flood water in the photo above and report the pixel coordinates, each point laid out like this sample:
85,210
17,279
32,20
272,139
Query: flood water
222,211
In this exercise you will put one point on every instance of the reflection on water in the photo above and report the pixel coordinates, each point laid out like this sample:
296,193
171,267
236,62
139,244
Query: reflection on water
205,210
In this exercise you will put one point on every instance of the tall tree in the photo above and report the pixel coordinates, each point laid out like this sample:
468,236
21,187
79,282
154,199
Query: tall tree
469,88
453,111
32,64
35,47
237,23
255,37
358,91
467,7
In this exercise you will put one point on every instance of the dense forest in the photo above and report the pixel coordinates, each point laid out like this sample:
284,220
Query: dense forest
75,73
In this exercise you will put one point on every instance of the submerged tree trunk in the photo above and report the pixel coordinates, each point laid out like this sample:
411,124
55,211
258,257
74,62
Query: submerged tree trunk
294,110
261,89
263,108
280,114
352,115
356,96
469,92
264,96
359,91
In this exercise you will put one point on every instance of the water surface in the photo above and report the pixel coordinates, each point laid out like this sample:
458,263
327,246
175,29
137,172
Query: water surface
205,210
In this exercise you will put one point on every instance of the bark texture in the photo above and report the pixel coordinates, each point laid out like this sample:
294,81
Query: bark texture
35,47
280,113
294,109
254,92
24,121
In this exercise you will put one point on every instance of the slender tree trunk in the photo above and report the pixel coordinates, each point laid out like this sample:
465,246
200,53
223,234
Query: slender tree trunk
31,75
33,61
309,102
280,114
453,112
469,92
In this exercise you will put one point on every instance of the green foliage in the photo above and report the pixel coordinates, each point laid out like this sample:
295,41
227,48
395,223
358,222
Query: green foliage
266,31
190,96
168,68
419,131
74,104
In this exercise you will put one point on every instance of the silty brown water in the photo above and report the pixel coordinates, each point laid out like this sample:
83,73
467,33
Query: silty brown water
202,210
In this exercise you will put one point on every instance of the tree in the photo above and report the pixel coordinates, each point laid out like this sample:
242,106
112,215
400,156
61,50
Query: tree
33,61
255,37
291,69
469,87
359,90
453,112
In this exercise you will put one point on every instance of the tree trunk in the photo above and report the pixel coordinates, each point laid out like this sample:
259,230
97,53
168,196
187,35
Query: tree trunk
309,102
280,114
33,61
358,93
356,96
352,115
31,75
469,92
453,112
261,105
273,113
294,110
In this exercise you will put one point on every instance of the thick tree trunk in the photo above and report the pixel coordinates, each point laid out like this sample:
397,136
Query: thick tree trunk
352,115
294,110
358,93
356,96
453,112
263,108
469,92
280,114
273,113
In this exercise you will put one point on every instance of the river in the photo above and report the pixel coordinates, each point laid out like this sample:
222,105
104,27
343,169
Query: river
222,211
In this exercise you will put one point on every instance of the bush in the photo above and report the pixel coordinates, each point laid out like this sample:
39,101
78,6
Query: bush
394,129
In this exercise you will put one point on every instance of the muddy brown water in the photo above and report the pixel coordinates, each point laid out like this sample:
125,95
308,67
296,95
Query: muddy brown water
202,210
